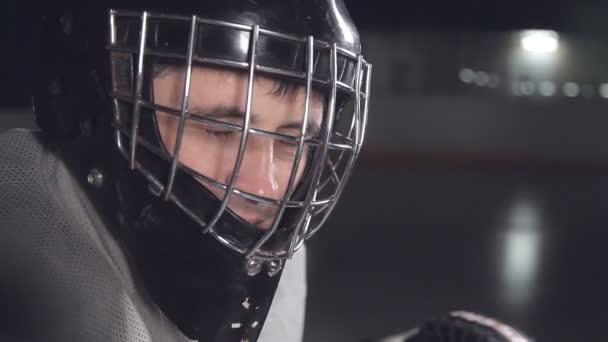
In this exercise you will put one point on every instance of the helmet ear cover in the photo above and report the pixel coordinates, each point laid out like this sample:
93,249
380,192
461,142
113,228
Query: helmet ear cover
66,88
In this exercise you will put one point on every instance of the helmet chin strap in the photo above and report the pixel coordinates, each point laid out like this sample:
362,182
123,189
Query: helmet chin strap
199,284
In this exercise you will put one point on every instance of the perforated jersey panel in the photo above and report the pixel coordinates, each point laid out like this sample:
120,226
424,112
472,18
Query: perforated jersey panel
62,274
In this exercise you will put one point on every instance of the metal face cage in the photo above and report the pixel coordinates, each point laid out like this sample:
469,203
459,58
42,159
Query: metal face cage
342,76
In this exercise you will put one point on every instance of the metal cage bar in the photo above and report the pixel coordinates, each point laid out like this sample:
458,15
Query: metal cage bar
233,64
299,151
210,181
244,133
184,109
368,80
331,109
138,88
354,155
115,105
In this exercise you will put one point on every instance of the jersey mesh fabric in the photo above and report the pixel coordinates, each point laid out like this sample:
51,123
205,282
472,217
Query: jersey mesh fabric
63,275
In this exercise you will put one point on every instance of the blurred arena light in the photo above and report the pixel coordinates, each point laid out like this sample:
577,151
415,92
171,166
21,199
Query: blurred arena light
466,75
604,90
527,88
521,251
547,88
571,89
482,78
539,41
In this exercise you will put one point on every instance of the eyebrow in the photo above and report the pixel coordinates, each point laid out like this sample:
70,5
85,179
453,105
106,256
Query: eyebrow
312,128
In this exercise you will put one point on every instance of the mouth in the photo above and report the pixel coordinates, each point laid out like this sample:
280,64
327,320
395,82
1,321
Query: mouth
262,222
260,215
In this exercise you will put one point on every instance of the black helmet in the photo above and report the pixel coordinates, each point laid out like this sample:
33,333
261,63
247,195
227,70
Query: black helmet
96,78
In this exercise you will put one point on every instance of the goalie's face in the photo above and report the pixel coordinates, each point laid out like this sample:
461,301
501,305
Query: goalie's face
212,150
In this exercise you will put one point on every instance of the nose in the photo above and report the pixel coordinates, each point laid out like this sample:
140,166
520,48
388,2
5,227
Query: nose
257,174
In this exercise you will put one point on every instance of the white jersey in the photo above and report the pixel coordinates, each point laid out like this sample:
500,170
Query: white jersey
285,322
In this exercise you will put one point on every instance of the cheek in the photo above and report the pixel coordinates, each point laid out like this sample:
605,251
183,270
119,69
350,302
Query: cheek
198,151
203,154
284,168
167,130
302,166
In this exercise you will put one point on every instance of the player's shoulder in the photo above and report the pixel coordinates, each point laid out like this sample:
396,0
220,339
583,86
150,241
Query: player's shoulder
26,170
26,165
20,148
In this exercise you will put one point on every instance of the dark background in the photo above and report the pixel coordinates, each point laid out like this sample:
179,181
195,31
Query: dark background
586,16
466,196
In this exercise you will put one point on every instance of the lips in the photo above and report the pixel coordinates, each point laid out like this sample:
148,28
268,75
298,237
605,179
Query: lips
258,214
263,223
